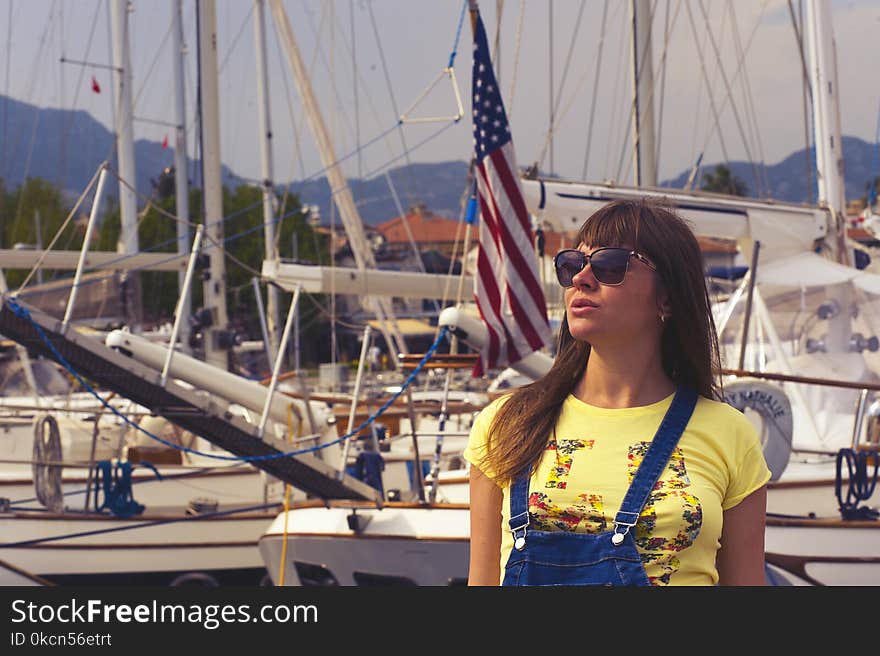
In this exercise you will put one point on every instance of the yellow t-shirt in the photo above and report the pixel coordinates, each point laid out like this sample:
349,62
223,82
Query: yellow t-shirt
585,473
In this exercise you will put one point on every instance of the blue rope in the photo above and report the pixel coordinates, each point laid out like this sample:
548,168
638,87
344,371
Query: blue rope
24,313
860,483
115,481
186,474
457,35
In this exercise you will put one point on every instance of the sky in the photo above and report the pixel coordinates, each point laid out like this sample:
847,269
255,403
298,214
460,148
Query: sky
565,58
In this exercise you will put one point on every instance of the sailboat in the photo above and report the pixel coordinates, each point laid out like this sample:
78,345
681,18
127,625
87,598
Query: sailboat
108,490
808,390
197,457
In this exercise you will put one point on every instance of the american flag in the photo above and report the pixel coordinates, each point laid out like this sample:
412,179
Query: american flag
508,290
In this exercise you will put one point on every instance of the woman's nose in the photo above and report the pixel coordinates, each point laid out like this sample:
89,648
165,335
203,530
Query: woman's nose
585,277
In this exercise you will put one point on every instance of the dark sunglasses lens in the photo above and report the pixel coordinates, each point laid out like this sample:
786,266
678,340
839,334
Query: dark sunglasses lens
609,266
568,264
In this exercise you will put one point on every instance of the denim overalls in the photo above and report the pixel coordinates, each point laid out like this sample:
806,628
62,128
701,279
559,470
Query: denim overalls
609,558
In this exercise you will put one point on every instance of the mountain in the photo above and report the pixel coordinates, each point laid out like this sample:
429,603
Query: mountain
66,147
787,180
438,186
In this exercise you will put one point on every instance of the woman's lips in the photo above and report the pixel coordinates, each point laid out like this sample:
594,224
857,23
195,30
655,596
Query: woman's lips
583,306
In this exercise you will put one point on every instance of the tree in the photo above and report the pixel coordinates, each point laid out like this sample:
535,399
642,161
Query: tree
244,235
722,181
36,199
872,190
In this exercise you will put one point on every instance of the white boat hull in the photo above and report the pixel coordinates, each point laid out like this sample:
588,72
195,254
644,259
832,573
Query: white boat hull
425,546
824,552
151,549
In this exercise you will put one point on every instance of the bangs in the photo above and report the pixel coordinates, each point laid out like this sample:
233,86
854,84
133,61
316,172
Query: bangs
612,227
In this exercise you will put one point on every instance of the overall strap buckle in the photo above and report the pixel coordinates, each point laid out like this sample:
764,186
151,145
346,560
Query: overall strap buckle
620,521
519,530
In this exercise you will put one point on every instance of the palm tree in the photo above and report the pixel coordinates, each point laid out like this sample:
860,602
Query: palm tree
722,181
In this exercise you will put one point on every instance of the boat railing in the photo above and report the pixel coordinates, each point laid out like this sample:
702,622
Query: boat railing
872,442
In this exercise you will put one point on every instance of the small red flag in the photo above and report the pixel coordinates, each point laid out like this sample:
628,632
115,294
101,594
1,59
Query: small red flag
95,86
165,142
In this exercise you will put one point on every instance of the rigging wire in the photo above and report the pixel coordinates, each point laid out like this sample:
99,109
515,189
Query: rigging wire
715,112
394,105
751,113
32,79
739,68
640,68
146,78
517,44
357,111
61,229
595,95
5,128
496,58
68,121
616,96
696,156
556,101
807,97
663,65
729,90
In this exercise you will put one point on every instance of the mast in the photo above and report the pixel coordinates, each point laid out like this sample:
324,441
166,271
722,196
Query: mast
265,127
181,185
829,158
826,120
643,95
215,277
122,76
340,190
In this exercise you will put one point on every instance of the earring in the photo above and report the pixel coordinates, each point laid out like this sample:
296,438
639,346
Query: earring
663,318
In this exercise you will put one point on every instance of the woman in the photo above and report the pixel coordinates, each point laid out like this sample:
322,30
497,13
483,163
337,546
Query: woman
557,493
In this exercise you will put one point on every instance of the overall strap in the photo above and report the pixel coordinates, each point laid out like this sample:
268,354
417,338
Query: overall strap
654,462
519,509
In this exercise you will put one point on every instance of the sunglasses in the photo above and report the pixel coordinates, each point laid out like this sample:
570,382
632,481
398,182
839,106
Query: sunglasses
609,265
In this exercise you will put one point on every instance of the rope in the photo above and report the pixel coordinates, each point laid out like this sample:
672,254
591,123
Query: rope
457,35
186,474
25,314
860,486
115,482
158,522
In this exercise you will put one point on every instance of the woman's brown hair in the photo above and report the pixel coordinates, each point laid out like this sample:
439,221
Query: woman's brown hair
519,431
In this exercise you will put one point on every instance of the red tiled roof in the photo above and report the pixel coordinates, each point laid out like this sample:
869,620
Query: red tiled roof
860,234
425,227
717,245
